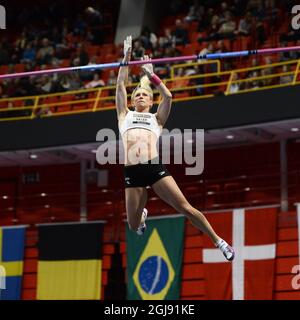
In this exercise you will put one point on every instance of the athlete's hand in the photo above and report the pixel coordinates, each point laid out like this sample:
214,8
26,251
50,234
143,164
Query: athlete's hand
127,49
147,67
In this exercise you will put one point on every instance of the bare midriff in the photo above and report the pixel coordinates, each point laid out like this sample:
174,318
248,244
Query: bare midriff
139,145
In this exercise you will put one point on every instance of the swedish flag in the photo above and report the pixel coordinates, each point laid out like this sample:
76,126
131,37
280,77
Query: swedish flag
12,241
154,260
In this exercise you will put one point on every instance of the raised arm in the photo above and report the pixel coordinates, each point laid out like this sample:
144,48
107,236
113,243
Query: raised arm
121,93
165,105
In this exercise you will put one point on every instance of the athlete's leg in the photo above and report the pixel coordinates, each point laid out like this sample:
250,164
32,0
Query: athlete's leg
167,189
136,199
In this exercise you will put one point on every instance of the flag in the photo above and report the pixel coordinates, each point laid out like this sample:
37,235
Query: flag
251,274
12,240
70,261
154,260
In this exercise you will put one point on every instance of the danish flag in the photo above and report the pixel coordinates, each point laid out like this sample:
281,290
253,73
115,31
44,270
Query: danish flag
250,275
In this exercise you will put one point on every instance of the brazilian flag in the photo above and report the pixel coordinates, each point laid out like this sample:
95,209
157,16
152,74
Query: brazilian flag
154,259
12,241
70,261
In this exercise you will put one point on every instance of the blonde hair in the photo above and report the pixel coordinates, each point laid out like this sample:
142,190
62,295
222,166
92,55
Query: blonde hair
144,84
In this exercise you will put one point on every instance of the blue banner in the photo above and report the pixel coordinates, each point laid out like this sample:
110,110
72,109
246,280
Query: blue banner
12,243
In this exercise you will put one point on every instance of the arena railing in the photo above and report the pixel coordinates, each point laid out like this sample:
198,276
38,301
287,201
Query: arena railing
192,87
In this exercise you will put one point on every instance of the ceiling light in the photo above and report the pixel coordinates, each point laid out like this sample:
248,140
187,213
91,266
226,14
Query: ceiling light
230,137
33,156
5,197
43,194
294,129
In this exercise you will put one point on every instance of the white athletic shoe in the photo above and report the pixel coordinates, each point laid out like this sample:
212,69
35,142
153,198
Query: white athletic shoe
141,229
226,249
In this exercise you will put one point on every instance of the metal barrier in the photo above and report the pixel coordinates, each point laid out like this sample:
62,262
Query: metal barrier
183,88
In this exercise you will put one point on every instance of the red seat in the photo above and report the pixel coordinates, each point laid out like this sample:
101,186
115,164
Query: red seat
212,197
234,194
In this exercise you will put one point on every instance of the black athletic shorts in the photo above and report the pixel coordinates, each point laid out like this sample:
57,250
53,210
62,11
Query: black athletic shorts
144,174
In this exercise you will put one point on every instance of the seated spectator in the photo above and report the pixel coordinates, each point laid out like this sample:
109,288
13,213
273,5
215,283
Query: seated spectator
168,40
22,41
190,71
254,63
228,27
213,30
75,81
287,79
45,53
180,33
28,54
75,62
65,83
221,47
112,81
245,25
266,81
95,83
112,78
195,13
44,84
138,51
254,84
43,111
63,49
95,22
157,52
288,55
223,12
70,82
260,32
235,86
148,38
89,75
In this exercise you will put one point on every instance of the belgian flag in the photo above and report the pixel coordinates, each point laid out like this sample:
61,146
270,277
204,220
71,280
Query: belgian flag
70,261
